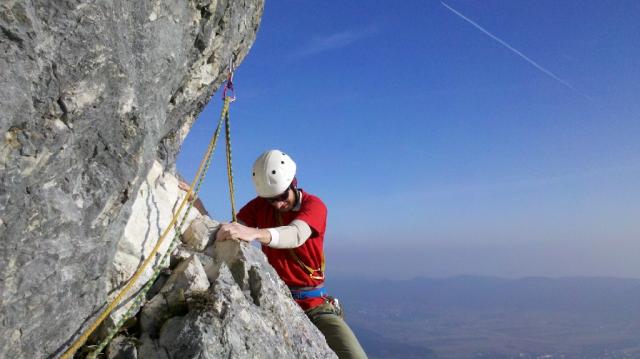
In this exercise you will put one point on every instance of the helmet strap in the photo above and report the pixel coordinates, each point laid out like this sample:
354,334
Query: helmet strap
298,200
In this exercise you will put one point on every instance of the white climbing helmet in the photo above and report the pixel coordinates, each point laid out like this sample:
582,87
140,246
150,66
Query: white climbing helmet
273,172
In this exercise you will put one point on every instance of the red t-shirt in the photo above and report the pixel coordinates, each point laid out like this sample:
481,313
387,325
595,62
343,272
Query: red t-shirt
261,214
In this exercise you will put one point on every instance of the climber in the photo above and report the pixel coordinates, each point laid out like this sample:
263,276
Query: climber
290,225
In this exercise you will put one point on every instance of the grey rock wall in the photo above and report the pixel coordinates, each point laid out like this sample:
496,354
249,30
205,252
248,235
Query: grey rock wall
235,306
91,94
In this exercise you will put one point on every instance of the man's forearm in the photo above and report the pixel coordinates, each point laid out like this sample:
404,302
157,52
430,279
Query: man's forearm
291,236
263,236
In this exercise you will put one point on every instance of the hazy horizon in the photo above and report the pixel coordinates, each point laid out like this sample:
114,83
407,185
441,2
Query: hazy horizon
513,261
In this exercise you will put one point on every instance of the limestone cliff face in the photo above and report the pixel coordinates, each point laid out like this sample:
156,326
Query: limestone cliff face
92,94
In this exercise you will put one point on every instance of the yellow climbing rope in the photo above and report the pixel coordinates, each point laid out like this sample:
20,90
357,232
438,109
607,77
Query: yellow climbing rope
227,131
190,196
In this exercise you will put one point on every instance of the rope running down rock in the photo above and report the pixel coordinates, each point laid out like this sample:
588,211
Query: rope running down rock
189,198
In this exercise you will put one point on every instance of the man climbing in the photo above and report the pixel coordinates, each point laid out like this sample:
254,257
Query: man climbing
290,225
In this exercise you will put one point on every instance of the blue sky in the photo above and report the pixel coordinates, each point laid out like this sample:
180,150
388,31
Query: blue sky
480,137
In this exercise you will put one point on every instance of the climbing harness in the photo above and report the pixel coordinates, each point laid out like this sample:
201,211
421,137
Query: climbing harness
301,293
331,305
312,272
189,199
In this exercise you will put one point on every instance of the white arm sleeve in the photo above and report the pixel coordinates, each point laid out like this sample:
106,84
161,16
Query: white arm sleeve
291,236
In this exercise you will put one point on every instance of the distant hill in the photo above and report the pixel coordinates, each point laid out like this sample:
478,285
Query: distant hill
474,292
490,317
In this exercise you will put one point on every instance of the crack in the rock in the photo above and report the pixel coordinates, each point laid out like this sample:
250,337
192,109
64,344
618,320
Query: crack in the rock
255,285
12,36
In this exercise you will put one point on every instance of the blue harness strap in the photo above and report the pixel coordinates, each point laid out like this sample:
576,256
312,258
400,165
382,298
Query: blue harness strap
306,293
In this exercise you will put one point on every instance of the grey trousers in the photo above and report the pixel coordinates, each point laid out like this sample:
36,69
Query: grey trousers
336,332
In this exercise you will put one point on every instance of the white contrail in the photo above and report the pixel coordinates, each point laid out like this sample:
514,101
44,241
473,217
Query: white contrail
516,51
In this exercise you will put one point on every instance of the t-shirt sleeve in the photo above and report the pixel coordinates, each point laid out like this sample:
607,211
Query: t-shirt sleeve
248,213
314,213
